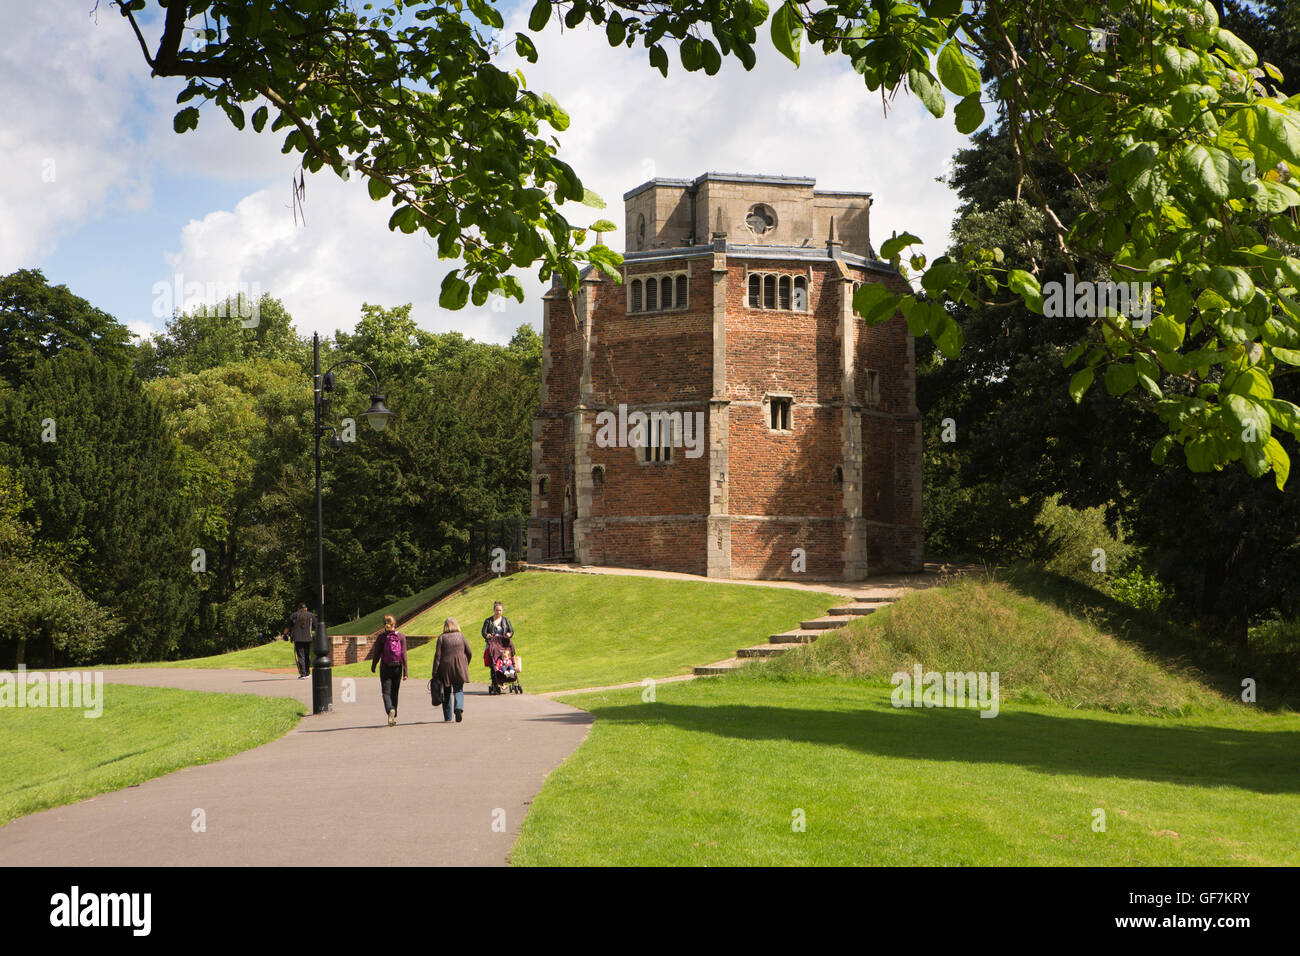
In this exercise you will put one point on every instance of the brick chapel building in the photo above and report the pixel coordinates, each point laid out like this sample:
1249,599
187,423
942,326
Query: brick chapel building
735,311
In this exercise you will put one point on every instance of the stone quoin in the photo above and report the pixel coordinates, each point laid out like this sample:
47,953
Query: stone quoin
736,305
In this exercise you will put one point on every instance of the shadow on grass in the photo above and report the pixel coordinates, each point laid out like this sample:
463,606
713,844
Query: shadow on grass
1218,666
1265,762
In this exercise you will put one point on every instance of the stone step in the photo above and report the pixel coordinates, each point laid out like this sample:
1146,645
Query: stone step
763,650
854,610
828,623
722,667
878,600
795,637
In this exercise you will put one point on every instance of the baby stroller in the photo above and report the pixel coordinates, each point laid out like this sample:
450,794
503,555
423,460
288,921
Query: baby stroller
504,669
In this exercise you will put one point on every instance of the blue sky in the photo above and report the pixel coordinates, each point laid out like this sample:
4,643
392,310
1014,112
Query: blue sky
133,204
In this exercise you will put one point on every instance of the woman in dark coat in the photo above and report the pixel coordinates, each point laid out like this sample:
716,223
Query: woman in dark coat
451,660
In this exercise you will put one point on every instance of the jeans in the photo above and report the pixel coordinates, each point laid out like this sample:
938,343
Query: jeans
390,682
302,656
453,693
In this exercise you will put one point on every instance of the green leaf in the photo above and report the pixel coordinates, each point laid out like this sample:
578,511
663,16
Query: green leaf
1120,378
1178,61
1233,284
787,28
1073,355
378,188
896,244
659,59
1080,382
1279,461
1283,414
1161,449
1242,414
874,302
930,93
945,331
691,53
1289,356
969,114
1209,169
259,119
603,225
537,20
956,71
455,291
186,119
589,198
711,57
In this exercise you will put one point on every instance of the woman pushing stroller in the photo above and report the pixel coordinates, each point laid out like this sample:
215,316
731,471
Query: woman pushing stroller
499,651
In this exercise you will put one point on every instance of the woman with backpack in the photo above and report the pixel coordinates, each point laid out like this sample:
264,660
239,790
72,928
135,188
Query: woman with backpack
451,668
389,654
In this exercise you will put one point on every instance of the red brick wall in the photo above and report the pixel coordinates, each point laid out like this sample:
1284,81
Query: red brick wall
762,549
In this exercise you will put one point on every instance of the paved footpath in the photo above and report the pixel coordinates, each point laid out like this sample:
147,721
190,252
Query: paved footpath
340,789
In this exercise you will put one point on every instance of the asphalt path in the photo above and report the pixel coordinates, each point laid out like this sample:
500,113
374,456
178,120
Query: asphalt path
340,789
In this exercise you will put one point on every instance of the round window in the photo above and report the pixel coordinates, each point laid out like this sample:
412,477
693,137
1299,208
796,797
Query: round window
761,219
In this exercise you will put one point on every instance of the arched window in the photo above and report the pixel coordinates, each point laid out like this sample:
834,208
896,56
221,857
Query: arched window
598,475
783,292
755,291
651,295
636,296
769,292
666,292
541,485
800,301
681,292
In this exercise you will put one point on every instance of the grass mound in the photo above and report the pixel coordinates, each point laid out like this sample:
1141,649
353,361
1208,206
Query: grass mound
1083,657
593,630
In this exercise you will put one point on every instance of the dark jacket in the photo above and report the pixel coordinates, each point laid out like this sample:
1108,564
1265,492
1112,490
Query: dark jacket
301,624
376,655
498,639
451,659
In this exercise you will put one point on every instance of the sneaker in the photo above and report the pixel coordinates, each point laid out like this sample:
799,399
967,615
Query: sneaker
392,718
459,714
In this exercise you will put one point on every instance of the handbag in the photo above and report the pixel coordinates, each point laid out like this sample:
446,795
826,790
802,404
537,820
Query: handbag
435,692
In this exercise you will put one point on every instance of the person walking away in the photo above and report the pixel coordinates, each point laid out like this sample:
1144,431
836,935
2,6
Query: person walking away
389,654
302,623
451,668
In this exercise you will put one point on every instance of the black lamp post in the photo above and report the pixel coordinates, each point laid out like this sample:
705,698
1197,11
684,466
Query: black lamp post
322,670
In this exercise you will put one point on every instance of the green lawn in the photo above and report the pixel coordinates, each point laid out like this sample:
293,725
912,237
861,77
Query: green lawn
54,756
267,656
714,771
591,630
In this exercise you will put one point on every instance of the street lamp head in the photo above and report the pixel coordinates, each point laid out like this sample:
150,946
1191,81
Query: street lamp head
377,414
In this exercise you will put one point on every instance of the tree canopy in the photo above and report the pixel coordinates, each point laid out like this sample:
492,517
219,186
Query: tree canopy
1188,135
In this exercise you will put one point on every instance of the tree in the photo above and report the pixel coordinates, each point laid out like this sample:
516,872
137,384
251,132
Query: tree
44,617
398,503
1192,136
243,429
38,320
102,471
213,335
